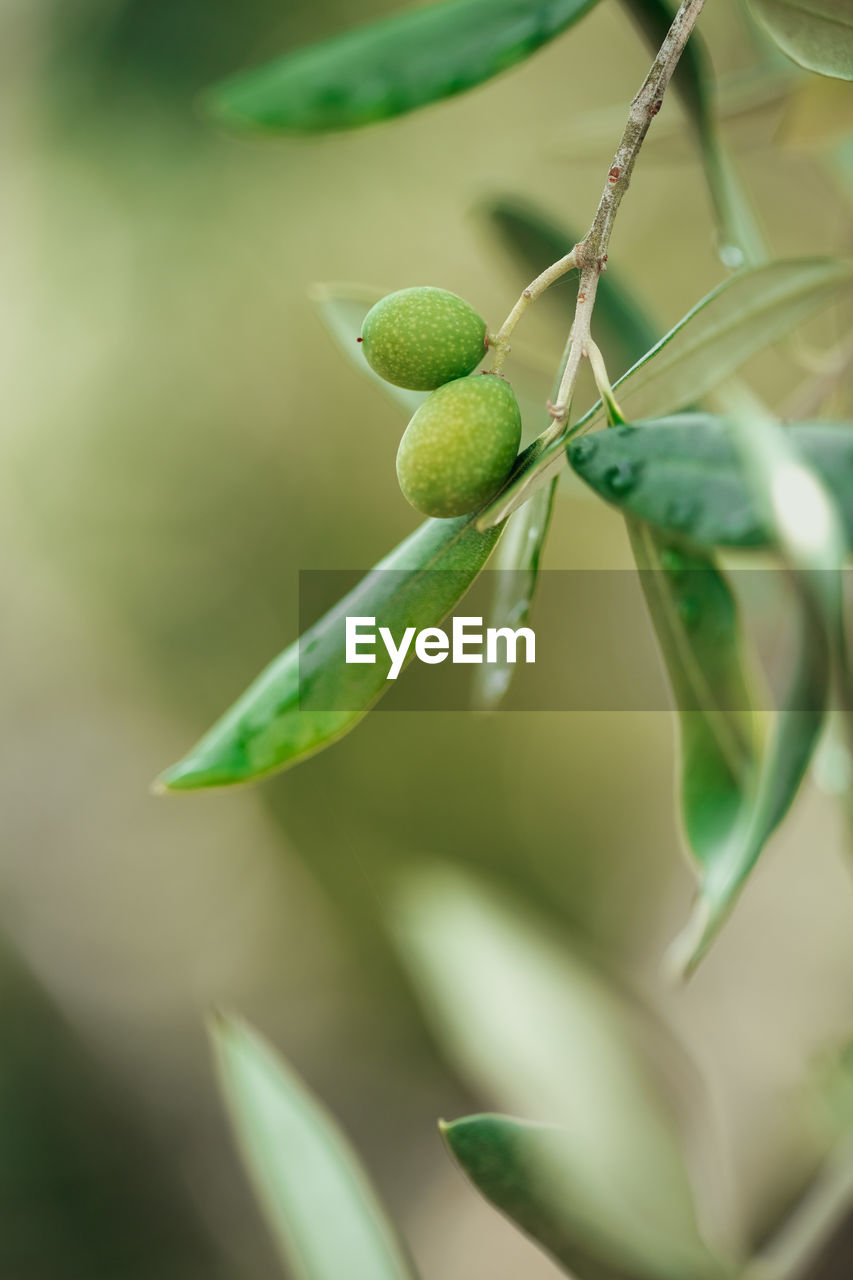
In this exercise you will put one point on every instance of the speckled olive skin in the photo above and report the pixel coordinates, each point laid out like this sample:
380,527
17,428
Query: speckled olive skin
460,446
421,338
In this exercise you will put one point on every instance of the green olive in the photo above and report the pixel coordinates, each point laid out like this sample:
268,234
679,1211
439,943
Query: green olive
460,445
421,338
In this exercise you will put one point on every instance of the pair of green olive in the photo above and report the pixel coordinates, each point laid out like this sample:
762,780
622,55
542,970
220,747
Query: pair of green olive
461,443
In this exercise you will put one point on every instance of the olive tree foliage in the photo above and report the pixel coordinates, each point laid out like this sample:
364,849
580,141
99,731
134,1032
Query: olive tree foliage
698,467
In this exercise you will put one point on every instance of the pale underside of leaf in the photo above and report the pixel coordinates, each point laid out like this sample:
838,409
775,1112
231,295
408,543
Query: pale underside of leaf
817,34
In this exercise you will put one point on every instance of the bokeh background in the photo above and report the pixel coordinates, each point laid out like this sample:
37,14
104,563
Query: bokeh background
179,439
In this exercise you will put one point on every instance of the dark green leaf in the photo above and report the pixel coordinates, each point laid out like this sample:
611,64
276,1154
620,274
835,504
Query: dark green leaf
318,1201
271,726
684,475
736,320
525,1171
388,68
818,34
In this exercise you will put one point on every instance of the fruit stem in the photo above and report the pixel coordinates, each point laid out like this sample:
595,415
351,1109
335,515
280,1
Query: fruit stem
499,342
615,416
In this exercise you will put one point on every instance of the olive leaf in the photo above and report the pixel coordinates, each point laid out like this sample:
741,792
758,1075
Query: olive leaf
740,240
683,474
309,696
696,623
536,1028
818,34
703,491
321,1209
390,67
737,319
524,1170
809,534
514,577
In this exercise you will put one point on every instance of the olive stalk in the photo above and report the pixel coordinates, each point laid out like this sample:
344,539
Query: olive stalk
499,342
590,254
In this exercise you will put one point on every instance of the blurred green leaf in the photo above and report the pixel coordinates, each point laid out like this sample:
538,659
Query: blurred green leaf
732,323
526,1172
271,726
684,475
697,627
391,67
317,1199
740,241
817,34
535,1027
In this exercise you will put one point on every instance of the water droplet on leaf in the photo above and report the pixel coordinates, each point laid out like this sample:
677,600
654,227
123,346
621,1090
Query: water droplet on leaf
582,451
622,477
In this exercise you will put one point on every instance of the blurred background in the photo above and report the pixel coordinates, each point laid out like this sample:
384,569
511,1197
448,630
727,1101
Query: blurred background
179,439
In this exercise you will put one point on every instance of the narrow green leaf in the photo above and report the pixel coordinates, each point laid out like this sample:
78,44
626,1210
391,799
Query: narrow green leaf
537,1029
696,622
271,727
526,1172
391,67
731,324
818,34
515,574
319,1204
684,476
740,240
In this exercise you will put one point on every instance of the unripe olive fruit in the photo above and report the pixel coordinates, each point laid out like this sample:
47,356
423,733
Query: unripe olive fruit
421,338
460,445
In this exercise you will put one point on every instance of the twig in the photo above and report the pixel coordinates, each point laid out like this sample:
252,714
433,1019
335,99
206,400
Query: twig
591,253
500,341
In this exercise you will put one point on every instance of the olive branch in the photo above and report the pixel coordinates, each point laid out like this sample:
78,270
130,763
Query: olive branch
589,255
